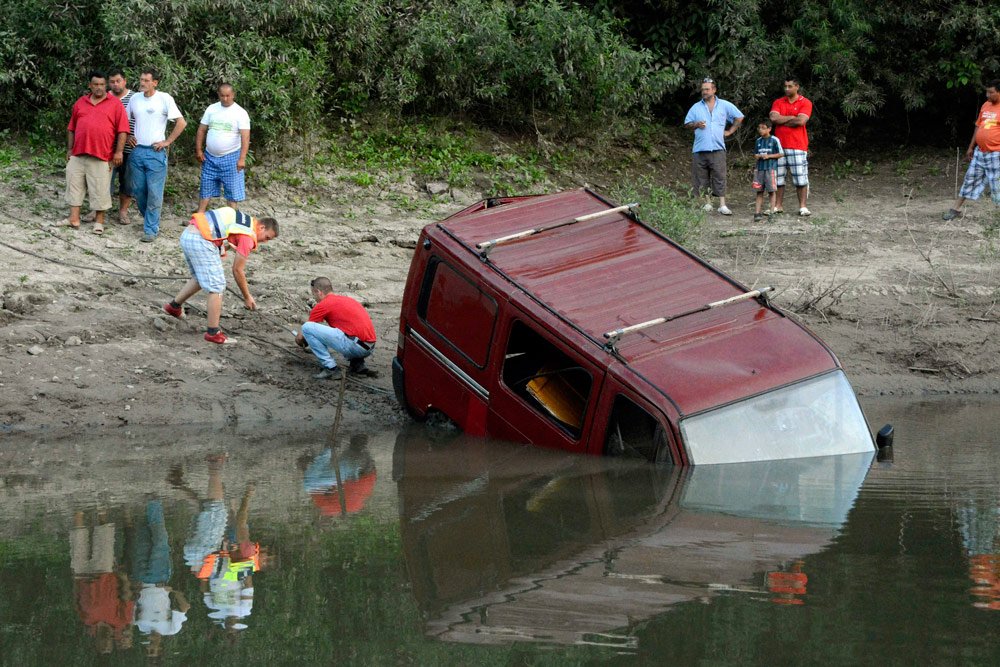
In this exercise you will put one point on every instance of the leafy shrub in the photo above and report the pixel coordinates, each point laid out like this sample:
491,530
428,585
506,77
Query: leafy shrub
674,215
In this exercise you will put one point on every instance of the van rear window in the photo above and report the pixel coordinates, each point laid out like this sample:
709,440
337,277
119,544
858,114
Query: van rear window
454,307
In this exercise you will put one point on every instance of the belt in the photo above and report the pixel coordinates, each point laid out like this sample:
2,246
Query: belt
364,345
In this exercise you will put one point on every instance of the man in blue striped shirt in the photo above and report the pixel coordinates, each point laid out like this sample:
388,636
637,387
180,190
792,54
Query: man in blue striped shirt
712,119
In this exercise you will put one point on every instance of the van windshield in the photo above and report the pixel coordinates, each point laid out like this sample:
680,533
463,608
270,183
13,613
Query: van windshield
817,417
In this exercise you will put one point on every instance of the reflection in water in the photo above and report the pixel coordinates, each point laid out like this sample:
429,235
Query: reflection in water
101,586
340,482
160,610
484,545
219,550
510,543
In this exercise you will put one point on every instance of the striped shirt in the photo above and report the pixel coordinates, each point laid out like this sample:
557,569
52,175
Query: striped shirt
131,121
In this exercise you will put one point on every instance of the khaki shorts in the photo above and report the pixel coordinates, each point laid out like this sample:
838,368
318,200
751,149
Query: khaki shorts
88,175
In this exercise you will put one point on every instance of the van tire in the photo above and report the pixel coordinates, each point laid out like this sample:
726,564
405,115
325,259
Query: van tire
399,388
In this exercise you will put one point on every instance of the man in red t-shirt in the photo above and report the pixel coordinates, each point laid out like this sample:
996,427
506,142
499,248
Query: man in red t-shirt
95,141
790,115
339,323
984,151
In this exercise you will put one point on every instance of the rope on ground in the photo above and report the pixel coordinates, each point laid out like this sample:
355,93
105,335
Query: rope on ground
122,274
152,277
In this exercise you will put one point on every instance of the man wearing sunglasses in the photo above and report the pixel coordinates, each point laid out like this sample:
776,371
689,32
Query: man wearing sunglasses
712,119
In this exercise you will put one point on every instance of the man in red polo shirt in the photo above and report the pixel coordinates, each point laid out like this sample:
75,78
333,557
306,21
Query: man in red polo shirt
790,115
95,140
339,323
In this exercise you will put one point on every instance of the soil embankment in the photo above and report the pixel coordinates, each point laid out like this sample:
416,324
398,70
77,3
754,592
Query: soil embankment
907,302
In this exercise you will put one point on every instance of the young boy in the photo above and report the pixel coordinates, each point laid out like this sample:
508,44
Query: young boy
765,179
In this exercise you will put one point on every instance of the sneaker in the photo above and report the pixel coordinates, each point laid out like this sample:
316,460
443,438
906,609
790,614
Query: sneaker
149,238
804,212
707,208
724,210
329,374
952,214
757,217
173,312
219,338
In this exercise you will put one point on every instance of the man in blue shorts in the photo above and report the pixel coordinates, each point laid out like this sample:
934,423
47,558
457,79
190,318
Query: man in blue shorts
203,243
221,145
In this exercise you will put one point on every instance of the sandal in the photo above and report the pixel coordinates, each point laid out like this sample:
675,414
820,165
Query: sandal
66,222
98,228
123,218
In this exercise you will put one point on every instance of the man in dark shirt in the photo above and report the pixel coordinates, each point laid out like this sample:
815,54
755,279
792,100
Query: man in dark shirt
339,323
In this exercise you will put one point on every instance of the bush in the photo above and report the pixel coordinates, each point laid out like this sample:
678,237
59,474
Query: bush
293,62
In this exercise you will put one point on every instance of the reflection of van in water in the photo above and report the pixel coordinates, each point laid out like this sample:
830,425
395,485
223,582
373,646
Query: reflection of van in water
563,321
506,543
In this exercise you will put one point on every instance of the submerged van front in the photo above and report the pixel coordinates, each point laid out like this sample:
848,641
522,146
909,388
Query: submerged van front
563,321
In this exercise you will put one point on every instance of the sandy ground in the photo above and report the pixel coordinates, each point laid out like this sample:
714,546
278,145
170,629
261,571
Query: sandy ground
907,302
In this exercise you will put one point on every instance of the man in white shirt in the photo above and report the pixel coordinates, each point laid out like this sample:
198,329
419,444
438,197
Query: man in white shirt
147,172
221,146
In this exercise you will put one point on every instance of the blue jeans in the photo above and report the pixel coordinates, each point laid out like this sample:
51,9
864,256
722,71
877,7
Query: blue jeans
147,176
151,549
322,338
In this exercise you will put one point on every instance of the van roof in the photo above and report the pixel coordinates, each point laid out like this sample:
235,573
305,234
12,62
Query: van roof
613,271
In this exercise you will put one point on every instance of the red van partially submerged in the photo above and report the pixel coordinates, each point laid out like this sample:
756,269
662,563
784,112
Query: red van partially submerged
563,321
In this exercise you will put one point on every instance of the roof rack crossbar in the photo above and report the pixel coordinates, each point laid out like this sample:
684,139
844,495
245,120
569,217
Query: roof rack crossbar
614,336
487,246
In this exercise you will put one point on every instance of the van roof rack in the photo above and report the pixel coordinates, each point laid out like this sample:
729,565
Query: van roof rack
487,246
614,336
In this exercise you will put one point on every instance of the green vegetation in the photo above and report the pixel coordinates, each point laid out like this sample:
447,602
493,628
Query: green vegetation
546,65
674,215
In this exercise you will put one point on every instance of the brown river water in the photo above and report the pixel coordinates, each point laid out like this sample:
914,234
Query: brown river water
293,545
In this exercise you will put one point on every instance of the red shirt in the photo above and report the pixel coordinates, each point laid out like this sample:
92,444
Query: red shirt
346,314
988,134
792,137
98,600
97,126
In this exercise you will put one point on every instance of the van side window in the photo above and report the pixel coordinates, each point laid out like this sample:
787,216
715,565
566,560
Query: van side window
544,376
633,432
453,306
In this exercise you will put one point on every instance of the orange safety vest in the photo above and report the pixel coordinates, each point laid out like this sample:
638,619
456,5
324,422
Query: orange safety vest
218,224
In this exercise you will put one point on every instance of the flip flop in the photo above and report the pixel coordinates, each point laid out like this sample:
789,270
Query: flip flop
98,228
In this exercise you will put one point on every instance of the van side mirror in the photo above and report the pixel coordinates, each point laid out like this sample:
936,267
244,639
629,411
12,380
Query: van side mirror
884,437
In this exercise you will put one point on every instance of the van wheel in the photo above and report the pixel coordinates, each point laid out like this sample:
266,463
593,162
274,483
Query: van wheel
440,422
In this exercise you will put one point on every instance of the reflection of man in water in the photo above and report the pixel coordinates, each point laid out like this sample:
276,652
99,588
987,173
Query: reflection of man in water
219,551
979,522
103,599
160,611
340,482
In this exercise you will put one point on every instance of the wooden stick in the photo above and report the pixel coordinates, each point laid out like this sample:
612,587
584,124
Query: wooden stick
614,336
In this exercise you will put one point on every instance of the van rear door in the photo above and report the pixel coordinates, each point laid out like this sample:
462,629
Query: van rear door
545,392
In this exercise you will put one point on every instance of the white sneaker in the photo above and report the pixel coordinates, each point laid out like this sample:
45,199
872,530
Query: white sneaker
707,208
724,210
804,212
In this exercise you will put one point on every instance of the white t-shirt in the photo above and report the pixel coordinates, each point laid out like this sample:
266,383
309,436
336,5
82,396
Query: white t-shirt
154,613
151,115
224,125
